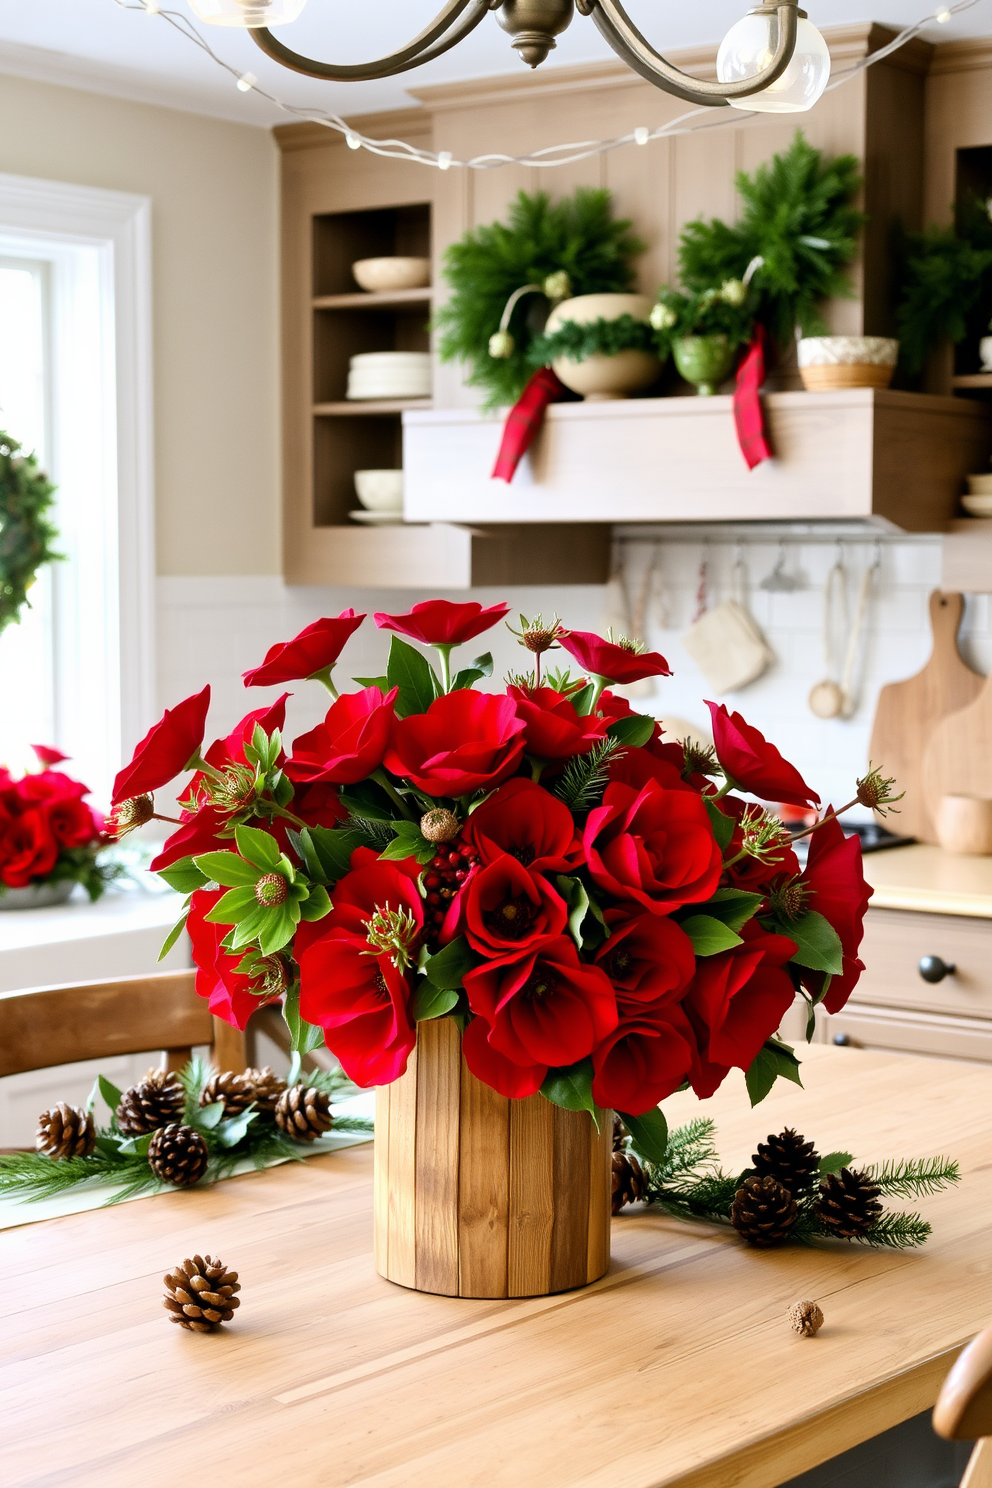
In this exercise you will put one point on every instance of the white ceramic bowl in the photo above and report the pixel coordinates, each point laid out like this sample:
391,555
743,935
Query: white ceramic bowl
605,377
977,506
383,275
390,374
380,490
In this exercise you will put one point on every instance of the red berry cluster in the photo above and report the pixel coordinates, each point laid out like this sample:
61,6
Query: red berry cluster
451,867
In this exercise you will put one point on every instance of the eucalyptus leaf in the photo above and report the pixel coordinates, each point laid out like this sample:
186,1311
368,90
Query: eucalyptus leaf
210,1116
230,1133
136,1146
110,1093
574,893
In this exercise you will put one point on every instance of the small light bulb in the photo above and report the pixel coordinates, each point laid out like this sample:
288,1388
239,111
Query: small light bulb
247,13
942,16
444,160
641,135
353,142
152,7
750,45
246,82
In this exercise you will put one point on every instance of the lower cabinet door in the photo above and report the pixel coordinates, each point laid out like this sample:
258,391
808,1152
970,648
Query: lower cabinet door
862,1026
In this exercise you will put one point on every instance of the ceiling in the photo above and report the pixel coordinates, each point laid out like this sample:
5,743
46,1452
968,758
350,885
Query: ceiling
102,47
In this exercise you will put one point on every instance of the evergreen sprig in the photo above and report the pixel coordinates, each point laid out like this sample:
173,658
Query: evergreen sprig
913,1177
27,531
585,777
576,341
944,285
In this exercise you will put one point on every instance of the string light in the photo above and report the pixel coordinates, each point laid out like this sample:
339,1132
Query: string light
246,82
552,155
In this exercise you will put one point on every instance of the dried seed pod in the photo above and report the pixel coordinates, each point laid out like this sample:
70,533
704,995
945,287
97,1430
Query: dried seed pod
806,1318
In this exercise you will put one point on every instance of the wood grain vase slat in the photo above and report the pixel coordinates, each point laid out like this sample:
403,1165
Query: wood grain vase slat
480,1196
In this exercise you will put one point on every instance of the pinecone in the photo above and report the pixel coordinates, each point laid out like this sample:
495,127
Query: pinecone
235,1091
303,1114
628,1180
65,1131
619,1135
155,1101
763,1212
266,1088
806,1318
790,1160
178,1155
848,1204
200,1294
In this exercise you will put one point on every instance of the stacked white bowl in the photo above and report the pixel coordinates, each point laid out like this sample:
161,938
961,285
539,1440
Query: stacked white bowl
390,374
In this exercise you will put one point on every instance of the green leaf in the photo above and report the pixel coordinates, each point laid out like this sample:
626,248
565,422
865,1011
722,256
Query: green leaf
634,731
369,800
709,936
774,1061
649,1133
481,667
574,893
582,701
571,1089
304,1036
173,935
183,876
235,905
410,671
136,1146
722,824
431,1001
210,1116
230,1133
259,847
330,851
110,1093
227,868
381,682
818,943
447,969
409,842
733,906
317,903
278,930
833,1162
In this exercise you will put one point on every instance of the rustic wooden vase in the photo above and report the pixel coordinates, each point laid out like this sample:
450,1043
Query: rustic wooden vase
480,1196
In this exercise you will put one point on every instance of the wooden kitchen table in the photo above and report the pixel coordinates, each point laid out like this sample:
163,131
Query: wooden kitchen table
678,1367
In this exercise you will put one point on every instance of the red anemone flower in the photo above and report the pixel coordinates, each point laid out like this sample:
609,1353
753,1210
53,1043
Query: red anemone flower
351,741
169,747
737,1000
655,846
838,891
229,994
555,731
47,755
466,740
754,764
608,659
509,909
439,622
650,961
314,650
529,823
643,1061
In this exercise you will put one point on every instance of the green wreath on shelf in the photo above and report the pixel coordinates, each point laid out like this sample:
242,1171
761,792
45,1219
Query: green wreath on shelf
577,341
26,529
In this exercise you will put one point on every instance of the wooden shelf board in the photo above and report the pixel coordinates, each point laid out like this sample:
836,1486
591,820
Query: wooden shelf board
369,406
973,380
384,300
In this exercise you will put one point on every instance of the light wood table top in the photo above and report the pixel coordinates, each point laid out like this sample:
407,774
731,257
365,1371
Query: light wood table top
928,879
679,1367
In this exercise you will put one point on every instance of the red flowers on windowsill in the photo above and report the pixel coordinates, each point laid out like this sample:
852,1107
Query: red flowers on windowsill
48,834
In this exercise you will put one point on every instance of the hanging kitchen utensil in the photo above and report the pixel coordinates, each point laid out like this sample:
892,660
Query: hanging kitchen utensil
780,581
830,699
726,642
619,617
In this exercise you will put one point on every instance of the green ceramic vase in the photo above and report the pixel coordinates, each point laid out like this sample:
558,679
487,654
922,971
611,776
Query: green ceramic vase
705,361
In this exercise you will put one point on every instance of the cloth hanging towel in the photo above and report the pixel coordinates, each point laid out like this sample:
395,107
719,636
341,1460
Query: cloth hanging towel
749,413
524,420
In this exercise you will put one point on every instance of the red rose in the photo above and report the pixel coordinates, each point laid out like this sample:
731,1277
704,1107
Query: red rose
839,892
606,659
72,823
319,804
348,984
643,1061
516,1081
351,741
47,755
755,765
439,622
509,909
50,785
554,731
737,1001
655,846
313,651
529,823
171,745
228,993
464,742
547,1008
649,960
28,849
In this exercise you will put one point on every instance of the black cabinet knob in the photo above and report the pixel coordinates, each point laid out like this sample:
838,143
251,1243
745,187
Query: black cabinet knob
933,969
842,1040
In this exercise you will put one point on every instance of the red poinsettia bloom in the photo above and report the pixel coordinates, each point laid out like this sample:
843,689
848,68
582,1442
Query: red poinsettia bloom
28,849
516,1081
465,741
314,650
650,961
72,823
737,1000
643,1061
47,755
554,730
608,659
755,765
837,890
229,994
547,1008
439,622
169,747
351,741
655,846
350,985
529,823
509,909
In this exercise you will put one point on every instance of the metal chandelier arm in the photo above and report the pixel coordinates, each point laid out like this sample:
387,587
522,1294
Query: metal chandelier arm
432,42
623,36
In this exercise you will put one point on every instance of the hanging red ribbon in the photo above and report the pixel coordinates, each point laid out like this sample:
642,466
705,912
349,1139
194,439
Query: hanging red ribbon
524,420
749,413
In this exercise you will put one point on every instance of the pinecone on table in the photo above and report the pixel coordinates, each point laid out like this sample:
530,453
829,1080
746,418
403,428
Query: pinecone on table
266,1087
763,1212
235,1091
178,1155
628,1180
200,1294
847,1204
155,1101
790,1160
303,1113
65,1131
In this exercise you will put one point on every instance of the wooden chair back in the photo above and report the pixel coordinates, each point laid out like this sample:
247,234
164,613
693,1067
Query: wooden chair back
45,1026
964,1408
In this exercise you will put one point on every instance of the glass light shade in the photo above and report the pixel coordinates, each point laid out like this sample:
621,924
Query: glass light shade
749,46
247,13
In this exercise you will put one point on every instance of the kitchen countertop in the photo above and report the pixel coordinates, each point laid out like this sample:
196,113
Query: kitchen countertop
926,878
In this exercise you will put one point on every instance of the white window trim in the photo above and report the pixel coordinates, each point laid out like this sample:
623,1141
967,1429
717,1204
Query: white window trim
121,222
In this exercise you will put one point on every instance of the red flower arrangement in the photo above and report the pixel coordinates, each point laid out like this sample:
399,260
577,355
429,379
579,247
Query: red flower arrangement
48,834
603,914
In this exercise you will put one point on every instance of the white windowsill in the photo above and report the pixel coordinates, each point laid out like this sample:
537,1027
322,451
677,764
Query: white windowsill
120,935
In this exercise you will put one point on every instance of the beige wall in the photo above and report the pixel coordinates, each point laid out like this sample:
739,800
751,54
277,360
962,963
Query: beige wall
214,196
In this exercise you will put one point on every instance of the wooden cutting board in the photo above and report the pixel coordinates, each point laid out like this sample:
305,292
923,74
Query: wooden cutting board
910,714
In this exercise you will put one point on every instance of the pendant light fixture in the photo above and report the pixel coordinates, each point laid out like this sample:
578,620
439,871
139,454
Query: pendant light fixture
773,60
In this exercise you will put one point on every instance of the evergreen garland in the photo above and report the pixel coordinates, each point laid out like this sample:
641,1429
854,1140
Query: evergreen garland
576,341
577,235
26,530
944,284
